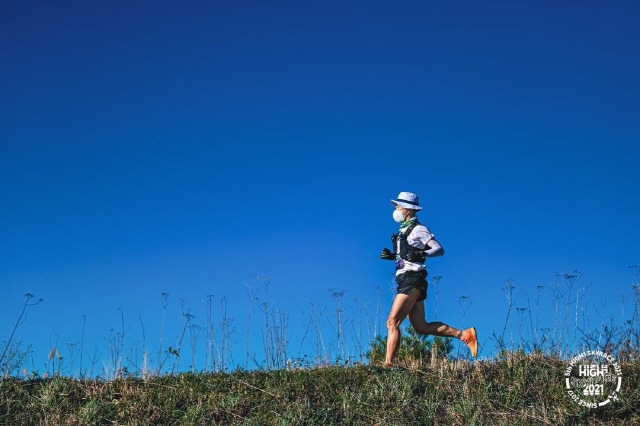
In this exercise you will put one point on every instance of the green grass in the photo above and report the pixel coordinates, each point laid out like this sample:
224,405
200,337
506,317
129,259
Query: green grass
515,389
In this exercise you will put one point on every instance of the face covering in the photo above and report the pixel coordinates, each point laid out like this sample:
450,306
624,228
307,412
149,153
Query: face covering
398,216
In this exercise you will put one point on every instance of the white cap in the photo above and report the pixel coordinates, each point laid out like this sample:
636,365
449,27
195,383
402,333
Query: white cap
408,200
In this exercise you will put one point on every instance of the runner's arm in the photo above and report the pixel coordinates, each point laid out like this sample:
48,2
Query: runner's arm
433,248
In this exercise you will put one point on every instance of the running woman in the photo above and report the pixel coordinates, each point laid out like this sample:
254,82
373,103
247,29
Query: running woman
412,245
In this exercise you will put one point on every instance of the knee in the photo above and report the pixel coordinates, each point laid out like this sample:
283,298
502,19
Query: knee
392,323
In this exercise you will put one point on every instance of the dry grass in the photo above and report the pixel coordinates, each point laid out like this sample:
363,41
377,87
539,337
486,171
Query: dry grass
515,389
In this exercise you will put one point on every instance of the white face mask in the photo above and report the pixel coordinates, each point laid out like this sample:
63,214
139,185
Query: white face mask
398,216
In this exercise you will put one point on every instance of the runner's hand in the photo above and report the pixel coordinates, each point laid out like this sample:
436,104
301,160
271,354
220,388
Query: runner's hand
416,256
387,255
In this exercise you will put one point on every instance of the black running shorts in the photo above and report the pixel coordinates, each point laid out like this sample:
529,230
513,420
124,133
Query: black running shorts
413,279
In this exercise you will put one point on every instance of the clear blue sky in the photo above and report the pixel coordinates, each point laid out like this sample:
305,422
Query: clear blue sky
183,147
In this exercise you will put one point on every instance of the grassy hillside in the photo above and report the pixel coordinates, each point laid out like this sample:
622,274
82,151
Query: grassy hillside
516,389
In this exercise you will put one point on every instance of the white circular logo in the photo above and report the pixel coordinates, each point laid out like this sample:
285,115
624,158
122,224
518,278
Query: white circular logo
593,379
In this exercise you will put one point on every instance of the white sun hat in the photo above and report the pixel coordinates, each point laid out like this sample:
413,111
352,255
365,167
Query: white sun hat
408,200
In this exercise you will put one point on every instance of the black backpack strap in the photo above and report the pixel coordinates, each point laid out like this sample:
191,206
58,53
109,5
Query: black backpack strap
405,247
410,228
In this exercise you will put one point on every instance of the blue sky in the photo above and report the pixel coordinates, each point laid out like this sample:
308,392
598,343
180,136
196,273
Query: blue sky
184,147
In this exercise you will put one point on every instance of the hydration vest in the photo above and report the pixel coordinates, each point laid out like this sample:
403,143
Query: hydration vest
405,247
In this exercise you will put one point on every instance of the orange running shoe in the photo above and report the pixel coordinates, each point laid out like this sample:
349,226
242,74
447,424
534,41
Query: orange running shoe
470,338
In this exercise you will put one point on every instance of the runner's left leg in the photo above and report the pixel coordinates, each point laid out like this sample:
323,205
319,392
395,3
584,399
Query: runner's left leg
402,305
